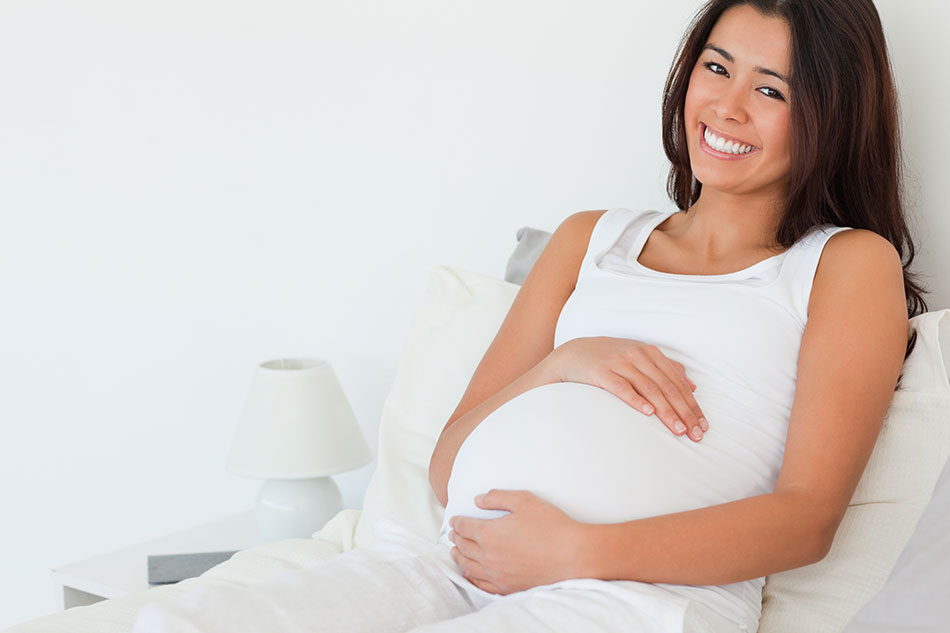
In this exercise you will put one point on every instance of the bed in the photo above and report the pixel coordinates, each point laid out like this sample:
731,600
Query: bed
889,564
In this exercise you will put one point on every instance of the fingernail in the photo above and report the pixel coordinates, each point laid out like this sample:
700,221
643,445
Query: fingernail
703,423
679,427
647,409
697,433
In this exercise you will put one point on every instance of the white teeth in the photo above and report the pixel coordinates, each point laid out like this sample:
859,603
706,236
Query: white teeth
729,147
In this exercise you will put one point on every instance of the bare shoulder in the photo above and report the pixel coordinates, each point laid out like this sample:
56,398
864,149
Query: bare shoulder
580,225
588,216
553,276
566,249
854,245
853,255
860,241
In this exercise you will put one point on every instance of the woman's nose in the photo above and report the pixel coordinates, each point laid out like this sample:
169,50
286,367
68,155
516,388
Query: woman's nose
731,103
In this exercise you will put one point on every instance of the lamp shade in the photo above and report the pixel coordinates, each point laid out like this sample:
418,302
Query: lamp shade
296,424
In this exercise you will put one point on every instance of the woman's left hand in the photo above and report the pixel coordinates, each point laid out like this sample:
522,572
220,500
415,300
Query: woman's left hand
535,544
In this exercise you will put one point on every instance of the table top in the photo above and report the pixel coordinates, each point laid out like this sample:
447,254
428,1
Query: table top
125,570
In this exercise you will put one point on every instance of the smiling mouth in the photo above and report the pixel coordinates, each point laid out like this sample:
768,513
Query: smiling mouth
718,146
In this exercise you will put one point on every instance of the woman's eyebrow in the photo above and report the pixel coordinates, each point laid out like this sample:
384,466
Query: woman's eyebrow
758,69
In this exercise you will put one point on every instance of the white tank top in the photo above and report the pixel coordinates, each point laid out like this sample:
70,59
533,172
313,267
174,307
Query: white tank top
602,461
738,334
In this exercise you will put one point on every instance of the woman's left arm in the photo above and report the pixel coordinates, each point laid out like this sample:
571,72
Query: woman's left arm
851,355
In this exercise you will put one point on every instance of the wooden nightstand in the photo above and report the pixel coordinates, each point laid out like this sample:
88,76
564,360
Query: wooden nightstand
125,571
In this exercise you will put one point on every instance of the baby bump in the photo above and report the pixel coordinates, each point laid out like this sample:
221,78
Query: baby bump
595,457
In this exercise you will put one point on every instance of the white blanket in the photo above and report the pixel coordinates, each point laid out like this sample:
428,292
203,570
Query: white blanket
406,583
251,566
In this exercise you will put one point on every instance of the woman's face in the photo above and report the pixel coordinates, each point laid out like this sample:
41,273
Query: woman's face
734,92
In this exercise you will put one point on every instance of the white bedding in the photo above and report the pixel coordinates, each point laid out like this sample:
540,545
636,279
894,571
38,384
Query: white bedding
649,606
459,315
406,583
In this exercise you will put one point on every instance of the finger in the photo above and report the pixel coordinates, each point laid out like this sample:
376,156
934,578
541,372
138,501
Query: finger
496,499
465,546
458,523
472,570
682,369
644,392
638,387
668,391
621,387
693,415
465,563
485,585
686,405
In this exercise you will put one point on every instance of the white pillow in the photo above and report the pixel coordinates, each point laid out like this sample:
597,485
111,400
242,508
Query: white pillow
460,314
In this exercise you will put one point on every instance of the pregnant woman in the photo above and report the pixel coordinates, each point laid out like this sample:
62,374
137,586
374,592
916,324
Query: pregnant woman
677,403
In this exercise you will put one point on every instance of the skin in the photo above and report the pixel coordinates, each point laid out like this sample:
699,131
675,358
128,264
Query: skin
739,205
851,353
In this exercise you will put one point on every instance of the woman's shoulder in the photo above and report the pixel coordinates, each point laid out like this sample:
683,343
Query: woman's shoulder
578,227
848,248
584,219
847,259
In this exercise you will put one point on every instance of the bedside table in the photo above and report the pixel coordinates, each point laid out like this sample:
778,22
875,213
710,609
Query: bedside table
125,571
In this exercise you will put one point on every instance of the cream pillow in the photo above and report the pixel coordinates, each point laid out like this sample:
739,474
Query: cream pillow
460,313
459,316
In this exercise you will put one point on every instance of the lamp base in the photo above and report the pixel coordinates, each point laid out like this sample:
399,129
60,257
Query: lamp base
296,508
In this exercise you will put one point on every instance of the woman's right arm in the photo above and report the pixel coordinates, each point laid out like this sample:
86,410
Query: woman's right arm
515,361
522,357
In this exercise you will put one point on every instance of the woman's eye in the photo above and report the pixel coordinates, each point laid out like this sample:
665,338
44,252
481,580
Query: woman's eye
775,93
770,92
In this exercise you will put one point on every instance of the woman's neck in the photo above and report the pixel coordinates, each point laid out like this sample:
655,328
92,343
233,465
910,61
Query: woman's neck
719,226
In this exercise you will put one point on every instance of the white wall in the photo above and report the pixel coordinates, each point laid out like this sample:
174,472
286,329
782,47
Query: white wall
188,188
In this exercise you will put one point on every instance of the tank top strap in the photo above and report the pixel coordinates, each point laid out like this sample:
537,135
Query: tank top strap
799,272
609,228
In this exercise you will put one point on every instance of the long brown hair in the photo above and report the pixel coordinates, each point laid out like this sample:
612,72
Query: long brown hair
846,163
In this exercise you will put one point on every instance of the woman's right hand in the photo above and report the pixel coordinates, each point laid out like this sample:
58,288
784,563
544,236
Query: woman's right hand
637,373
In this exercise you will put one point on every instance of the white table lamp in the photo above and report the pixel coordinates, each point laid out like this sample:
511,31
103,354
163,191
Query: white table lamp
297,429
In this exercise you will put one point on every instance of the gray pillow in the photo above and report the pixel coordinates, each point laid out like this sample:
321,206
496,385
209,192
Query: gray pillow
914,598
530,244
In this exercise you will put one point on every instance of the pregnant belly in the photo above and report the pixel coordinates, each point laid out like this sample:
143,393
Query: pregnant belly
597,459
